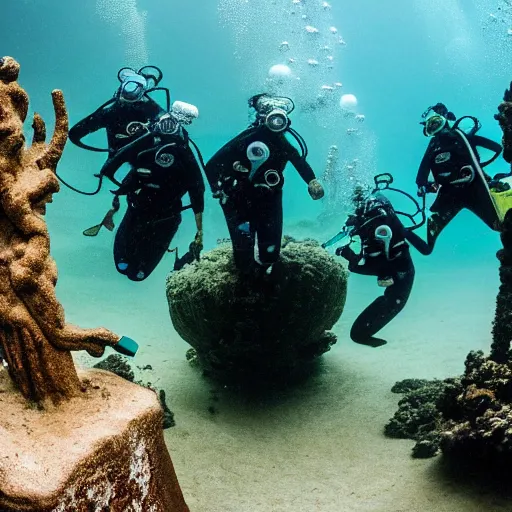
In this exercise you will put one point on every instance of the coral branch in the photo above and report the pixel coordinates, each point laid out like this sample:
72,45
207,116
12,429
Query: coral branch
54,151
9,70
39,130
34,335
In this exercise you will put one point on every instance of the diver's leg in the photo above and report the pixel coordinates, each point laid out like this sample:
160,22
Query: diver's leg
155,237
144,236
123,241
268,220
242,236
383,309
481,204
446,206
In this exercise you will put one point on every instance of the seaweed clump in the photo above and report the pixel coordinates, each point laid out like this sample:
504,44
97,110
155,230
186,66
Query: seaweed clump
253,330
119,365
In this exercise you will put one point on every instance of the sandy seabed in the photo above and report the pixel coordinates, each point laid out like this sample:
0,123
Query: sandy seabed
318,447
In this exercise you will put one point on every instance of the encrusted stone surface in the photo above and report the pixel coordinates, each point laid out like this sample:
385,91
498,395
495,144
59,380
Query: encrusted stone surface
102,449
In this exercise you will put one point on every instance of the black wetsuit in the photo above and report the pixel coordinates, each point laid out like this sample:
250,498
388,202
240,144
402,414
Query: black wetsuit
445,156
373,260
154,192
253,208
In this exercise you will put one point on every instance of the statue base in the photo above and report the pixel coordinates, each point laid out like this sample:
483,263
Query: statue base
103,450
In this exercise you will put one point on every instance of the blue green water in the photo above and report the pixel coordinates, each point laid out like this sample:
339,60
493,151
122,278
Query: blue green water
398,60
400,57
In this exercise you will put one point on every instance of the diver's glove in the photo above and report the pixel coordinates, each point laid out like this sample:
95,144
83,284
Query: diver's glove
199,238
427,189
197,245
345,252
351,220
315,189
422,191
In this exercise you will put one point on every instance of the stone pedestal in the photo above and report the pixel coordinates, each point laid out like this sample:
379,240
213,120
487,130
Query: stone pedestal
103,451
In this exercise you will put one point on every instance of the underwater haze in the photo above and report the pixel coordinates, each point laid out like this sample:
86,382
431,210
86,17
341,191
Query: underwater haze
319,447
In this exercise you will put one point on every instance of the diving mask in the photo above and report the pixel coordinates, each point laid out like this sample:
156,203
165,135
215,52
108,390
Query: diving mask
277,120
135,84
434,124
274,111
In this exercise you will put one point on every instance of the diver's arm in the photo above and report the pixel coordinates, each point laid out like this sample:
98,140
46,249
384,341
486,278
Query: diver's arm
123,155
195,189
353,261
486,143
221,163
315,189
299,162
417,242
424,169
489,144
363,270
347,253
195,182
92,123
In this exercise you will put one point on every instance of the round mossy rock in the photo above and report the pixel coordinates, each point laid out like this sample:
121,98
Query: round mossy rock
261,327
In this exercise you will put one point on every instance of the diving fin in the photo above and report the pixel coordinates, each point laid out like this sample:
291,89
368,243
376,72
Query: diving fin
107,222
92,231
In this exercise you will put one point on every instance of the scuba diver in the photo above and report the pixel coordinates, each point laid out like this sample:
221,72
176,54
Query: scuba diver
384,253
459,180
154,142
246,175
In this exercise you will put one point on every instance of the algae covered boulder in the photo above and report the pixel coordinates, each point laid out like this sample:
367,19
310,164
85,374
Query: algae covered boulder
270,326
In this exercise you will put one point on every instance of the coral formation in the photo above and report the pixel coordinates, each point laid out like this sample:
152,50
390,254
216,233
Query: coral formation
35,338
418,416
244,330
470,416
502,325
504,117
